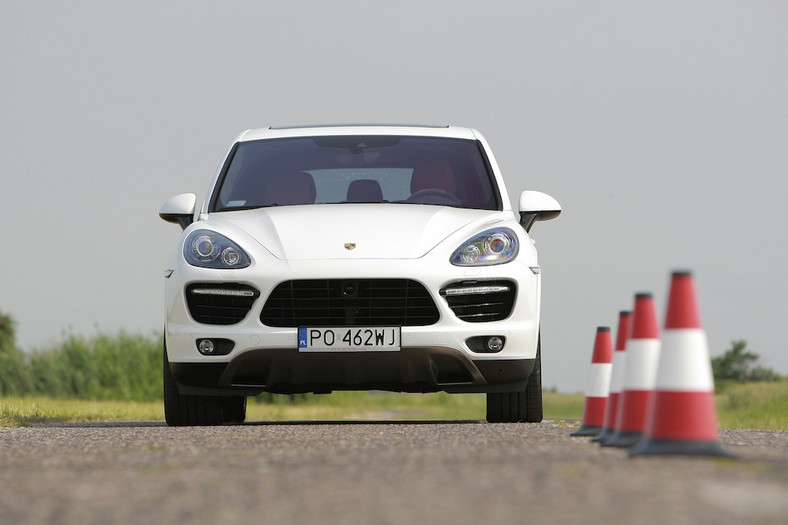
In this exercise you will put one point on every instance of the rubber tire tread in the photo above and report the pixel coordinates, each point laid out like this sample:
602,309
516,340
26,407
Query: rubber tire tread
236,410
534,411
523,406
181,410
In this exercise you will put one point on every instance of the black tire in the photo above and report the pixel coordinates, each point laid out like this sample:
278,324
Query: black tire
180,410
519,407
534,411
236,409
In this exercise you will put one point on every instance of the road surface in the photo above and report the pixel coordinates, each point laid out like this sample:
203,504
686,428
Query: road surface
377,472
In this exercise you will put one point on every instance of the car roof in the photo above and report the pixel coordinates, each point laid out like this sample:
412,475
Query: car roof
359,129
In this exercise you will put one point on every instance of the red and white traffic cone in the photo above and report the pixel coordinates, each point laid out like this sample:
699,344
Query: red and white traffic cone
598,386
616,378
683,417
640,374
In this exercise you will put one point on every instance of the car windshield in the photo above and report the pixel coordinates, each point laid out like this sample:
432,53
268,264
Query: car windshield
356,169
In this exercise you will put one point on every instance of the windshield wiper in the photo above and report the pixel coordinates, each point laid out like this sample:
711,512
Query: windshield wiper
240,208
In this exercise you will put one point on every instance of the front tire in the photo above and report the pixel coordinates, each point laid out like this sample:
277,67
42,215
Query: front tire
236,409
181,410
519,407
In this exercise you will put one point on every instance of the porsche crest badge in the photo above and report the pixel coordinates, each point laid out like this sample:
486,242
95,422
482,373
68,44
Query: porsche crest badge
350,245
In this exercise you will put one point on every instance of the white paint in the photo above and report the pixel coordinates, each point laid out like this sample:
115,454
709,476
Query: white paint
642,362
599,380
685,365
619,367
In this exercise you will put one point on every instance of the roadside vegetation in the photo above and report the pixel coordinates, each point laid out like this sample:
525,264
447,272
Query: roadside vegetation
31,411
339,406
118,378
740,365
754,405
749,394
122,367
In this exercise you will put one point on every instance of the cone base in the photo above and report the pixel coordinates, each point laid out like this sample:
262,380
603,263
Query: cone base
623,439
658,447
587,431
603,435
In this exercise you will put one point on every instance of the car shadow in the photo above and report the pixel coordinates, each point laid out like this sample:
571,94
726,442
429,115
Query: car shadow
338,422
356,422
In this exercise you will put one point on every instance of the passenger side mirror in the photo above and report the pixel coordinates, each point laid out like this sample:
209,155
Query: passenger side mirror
537,206
179,209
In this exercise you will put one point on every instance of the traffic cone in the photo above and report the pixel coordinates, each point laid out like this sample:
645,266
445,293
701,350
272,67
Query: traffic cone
640,374
598,386
616,378
683,417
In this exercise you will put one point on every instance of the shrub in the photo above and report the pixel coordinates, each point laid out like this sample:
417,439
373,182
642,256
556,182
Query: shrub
119,367
739,365
14,373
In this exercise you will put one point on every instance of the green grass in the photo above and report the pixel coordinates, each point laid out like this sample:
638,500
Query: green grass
753,405
28,411
339,406
371,406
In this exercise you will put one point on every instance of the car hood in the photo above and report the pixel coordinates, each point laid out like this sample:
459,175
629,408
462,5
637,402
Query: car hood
352,231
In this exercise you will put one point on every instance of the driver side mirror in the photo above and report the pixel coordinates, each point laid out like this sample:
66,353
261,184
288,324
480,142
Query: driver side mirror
537,206
179,209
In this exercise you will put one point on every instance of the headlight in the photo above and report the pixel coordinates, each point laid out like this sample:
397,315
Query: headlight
496,246
208,249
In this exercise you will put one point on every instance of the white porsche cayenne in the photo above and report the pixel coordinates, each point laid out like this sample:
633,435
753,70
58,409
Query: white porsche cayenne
353,258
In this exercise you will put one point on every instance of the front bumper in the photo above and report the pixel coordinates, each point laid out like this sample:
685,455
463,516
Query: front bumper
287,371
432,358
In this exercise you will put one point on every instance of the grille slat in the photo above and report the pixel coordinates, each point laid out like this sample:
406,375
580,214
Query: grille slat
349,302
481,307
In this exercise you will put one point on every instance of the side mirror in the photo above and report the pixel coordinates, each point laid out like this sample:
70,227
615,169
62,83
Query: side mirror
537,206
179,209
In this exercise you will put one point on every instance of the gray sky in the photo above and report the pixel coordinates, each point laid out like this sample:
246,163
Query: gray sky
661,127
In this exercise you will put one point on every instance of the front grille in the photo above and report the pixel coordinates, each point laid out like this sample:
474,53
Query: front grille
349,302
481,301
220,303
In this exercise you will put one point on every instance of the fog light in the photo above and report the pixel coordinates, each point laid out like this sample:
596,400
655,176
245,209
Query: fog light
495,344
214,346
206,347
486,344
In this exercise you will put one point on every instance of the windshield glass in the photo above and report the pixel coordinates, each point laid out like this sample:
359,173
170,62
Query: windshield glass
354,169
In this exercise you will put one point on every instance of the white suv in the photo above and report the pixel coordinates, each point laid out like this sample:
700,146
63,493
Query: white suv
353,258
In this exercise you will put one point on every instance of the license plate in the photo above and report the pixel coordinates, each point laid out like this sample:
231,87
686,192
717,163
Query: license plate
367,339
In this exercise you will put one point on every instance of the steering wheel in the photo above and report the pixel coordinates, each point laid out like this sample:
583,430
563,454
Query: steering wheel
432,196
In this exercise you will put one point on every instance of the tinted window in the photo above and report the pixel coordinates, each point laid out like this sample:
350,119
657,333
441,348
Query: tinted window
347,169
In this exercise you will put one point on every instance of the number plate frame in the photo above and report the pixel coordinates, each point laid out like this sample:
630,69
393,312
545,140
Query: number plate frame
350,339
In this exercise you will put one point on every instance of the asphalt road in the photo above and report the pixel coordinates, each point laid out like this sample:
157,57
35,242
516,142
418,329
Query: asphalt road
377,472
